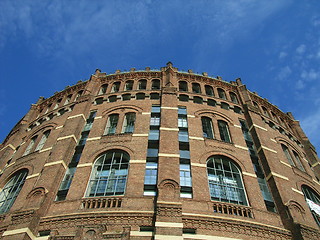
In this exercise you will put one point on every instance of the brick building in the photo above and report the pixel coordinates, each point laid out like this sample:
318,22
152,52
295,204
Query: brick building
158,154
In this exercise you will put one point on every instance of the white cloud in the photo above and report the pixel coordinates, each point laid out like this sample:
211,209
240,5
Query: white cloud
282,55
310,75
284,73
301,49
300,84
311,125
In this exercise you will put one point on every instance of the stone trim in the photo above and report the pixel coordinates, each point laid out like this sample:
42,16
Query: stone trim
93,139
97,117
169,224
199,165
10,146
206,237
85,165
46,149
140,135
257,126
146,113
141,234
33,175
18,231
315,164
315,181
191,116
70,136
297,191
287,164
238,126
249,174
273,140
171,108
54,163
174,203
168,155
166,237
241,147
276,175
196,138
266,148
137,161
169,129
59,127
78,115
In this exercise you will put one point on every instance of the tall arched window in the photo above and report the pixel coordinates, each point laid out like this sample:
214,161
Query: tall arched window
30,146
222,94
207,127
155,84
265,111
196,88
112,124
103,89
109,174
183,86
142,85
224,131
43,140
234,98
225,182
128,122
313,201
68,99
115,87
129,85
209,90
11,190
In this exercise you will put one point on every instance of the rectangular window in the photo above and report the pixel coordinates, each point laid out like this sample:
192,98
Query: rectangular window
183,136
155,119
185,175
182,121
112,124
151,173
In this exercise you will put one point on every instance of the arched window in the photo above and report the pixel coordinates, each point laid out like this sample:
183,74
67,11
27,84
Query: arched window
198,100
211,102
142,85
196,88
43,140
68,99
209,90
255,104
265,111
183,98
224,131
154,96
274,117
287,154
155,84
109,174
78,95
99,100
129,85
115,87
31,144
126,97
103,89
128,123
112,98
57,103
313,201
11,190
225,106
222,94
234,98
225,182
112,124
183,86
207,127
298,161
140,96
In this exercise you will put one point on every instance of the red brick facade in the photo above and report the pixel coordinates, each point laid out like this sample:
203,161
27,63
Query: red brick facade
67,195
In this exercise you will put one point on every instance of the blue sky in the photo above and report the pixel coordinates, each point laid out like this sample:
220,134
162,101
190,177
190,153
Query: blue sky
273,45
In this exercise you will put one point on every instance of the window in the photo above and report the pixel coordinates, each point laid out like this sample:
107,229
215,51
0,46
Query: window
28,150
265,111
154,96
196,88
183,98
224,131
234,98
255,104
68,99
142,84
287,154
109,174
103,89
57,104
129,85
43,140
298,161
225,182
128,123
11,190
182,121
222,94
274,117
126,97
209,90
183,86
115,87
99,100
237,109
112,124
155,119
78,95
207,127
155,84
140,96
185,175
313,201
112,98
151,173
197,100
211,102
224,105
